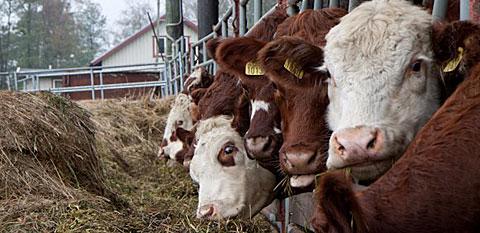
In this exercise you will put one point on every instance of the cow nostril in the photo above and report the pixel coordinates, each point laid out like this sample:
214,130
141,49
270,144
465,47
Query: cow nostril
340,147
371,144
268,144
311,159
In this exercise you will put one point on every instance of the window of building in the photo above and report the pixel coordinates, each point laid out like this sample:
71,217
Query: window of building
57,83
159,48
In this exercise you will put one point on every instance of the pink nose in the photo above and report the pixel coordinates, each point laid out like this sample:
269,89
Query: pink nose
357,144
206,211
300,162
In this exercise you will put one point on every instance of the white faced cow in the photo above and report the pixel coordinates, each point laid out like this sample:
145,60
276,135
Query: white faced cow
231,184
383,86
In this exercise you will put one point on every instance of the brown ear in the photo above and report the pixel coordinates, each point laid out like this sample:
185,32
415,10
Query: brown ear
212,46
307,56
234,53
447,38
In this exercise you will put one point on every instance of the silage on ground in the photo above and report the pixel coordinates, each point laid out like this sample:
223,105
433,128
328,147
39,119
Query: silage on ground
160,198
47,158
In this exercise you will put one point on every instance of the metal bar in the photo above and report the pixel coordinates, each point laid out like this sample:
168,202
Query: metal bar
287,213
224,29
38,83
464,10
102,92
317,4
257,10
439,9
108,86
243,19
92,82
333,3
16,81
204,50
352,4
304,5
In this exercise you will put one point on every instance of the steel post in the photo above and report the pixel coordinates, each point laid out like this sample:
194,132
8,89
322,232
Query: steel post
317,4
102,94
439,9
352,4
92,83
243,19
464,10
257,10
333,3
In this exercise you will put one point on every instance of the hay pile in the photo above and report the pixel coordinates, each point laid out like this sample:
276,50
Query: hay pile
128,133
47,155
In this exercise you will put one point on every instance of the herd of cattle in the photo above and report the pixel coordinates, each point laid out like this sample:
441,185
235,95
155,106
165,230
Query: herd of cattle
378,110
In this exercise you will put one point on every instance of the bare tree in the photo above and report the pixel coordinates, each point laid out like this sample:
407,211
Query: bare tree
134,17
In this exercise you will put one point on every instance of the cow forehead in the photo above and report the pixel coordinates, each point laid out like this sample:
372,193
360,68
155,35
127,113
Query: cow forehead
179,111
377,34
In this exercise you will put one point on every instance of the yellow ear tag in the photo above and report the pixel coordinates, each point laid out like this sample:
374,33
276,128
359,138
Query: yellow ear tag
253,68
293,68
453,63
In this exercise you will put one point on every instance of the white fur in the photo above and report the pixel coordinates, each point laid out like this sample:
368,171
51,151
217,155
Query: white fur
241,190
196,76
180,112
258,105
367,55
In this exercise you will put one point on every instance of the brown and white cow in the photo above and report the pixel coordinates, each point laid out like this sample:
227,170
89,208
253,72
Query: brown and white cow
263,139
183,114
434,187
384,85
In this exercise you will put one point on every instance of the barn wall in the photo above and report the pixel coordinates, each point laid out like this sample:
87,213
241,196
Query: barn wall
84,80
140,51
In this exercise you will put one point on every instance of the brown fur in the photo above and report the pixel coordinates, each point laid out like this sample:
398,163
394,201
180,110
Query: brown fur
266,28
432,188
302,102
446,40
206,80
311,25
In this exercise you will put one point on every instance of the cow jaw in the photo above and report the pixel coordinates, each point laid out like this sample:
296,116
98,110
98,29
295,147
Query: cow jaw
382,82
179,116
300,181
239,187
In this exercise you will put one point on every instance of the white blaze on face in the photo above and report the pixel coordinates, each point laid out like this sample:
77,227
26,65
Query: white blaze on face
379,58
179,116
230,182
259,105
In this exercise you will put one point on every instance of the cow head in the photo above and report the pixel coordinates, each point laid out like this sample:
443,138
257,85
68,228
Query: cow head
199,78
301,95
230,183
457,49
239,57
179,117
383,85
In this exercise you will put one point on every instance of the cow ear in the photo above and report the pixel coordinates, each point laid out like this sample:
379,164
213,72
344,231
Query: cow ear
447,39
305,56
234,53
212,46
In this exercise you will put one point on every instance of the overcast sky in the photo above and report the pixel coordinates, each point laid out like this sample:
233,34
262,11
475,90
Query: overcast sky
112,9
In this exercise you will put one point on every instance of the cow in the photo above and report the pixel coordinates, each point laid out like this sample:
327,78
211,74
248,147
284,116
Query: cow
264,139
183,115
433,187
384,85
231,184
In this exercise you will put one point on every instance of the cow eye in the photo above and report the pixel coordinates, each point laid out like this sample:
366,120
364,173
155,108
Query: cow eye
227,154
180,122
416,66
229,149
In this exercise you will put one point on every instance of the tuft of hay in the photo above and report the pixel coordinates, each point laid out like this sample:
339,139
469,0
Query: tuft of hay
47,147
